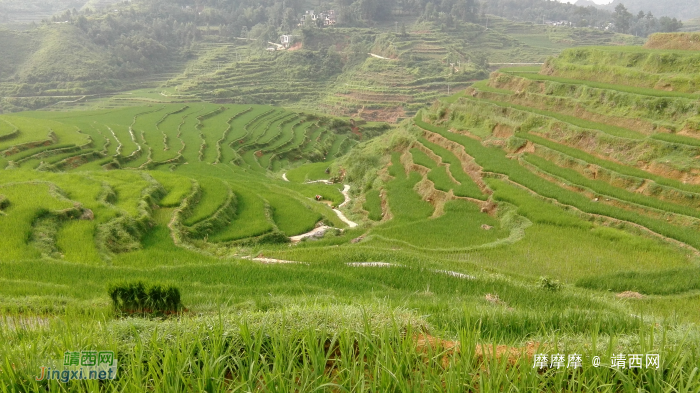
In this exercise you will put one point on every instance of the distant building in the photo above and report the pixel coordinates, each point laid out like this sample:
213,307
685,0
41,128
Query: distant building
558,23
327,18
286,40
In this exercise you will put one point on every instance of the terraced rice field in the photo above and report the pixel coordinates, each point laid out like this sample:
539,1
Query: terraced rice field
201,157
531,213
609,155
400,75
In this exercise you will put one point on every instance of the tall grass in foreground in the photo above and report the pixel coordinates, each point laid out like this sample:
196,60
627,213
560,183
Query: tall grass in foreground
344,349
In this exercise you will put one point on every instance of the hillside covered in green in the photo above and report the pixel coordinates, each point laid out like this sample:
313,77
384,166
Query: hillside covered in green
380,62
549,209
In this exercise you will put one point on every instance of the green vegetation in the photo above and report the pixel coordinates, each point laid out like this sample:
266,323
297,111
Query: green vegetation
450,260
494,160
545,210
460,227
605,189
611,165
668,282
138,297
213,194
309,172
606,128
290,216
590,83
658,69
438,174
467,187
373,205
251,220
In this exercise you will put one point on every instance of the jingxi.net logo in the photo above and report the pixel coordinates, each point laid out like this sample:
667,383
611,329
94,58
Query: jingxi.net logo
82,365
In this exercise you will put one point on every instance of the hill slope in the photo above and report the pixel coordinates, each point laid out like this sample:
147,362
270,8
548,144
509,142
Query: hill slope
370,73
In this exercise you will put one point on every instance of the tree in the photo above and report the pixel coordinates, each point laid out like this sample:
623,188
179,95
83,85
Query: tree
82,23
429,11
622,18
669,25
368,9
332,62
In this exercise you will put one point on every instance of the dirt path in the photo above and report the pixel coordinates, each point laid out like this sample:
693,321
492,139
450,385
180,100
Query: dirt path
494,64
319,231
372,264
455,274
346,194
119,143
315,232
269,261
319,181
343,218
386,264
379,57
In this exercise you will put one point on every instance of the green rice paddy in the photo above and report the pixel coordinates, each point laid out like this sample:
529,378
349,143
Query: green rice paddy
480,222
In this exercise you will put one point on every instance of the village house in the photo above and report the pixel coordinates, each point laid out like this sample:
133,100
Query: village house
287,40
328,18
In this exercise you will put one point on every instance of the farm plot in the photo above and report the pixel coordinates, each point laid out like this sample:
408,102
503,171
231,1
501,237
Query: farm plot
27,202
610,165
309,172
212,130
373,205
238,131
251,218
125,190
299,131
494,160
443,180
292,217
606,190
164,144
147,136
190,133
169,127
213,195
466,187
462,226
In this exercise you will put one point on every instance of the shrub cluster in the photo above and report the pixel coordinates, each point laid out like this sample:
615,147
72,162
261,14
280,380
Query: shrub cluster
548,284
140,297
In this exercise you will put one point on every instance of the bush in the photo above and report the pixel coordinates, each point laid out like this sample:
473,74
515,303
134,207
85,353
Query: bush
139,297
548,284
